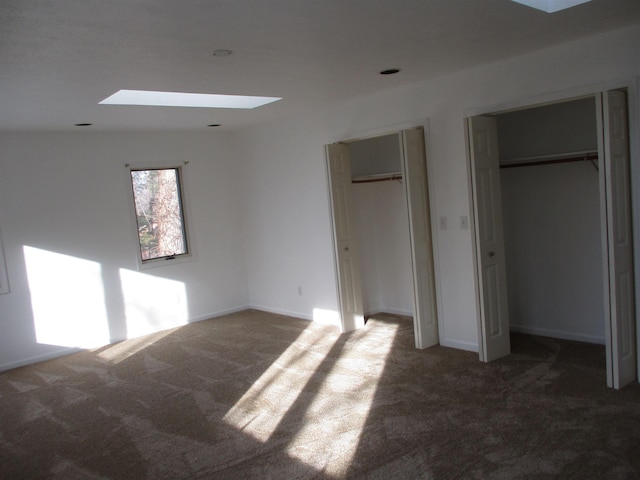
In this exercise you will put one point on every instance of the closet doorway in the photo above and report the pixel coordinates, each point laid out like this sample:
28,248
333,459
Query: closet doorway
396,163
553,231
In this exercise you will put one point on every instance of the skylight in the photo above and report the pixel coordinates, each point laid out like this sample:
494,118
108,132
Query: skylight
178,99
551,6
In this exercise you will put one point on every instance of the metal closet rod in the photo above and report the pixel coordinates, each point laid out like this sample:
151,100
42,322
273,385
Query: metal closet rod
377,178
551,159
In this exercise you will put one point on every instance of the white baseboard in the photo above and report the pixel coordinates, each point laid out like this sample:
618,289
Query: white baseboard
468,346
544,332
219,313
70,350
279,311
394,311
39,358
306,316
446,343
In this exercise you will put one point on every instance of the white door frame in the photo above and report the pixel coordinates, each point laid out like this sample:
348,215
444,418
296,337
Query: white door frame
395,130
631,85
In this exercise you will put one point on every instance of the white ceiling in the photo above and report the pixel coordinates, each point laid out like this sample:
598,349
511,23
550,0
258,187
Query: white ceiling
59,58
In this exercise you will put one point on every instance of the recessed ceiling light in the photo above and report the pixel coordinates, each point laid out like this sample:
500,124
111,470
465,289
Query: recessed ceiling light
83,124
390,71
551,6
179,99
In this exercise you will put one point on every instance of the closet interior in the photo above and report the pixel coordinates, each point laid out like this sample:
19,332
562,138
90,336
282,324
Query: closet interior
381,225
552,224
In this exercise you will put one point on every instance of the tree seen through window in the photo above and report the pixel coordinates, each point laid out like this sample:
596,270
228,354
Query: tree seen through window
159,213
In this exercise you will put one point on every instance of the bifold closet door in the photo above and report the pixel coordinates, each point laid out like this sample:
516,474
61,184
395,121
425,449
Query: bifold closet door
490,251
416,189
345,246
617,237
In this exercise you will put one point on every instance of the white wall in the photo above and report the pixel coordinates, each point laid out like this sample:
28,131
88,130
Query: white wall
382,231
549,130
287,221
554,254
552,223
375,155
287,230
364,207
71,249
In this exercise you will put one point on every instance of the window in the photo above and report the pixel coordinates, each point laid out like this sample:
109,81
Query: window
160,218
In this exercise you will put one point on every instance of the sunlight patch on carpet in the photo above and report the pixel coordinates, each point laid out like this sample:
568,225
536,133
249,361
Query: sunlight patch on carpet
262,408
343,402
117,352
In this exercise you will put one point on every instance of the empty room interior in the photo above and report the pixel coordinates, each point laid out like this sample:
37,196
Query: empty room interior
319,240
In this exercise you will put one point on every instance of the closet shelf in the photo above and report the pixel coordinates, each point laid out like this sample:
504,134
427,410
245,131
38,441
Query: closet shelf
581,156
378,177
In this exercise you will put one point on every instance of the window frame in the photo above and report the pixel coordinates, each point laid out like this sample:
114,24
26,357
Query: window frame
164,261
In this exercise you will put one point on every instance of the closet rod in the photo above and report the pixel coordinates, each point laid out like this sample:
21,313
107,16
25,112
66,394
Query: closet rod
579,158
370,179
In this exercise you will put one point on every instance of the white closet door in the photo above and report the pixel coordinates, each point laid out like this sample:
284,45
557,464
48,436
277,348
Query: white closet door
490,251
346,249
416,189
621,364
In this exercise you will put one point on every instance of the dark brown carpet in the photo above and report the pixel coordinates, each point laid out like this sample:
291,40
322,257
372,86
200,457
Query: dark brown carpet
261,396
